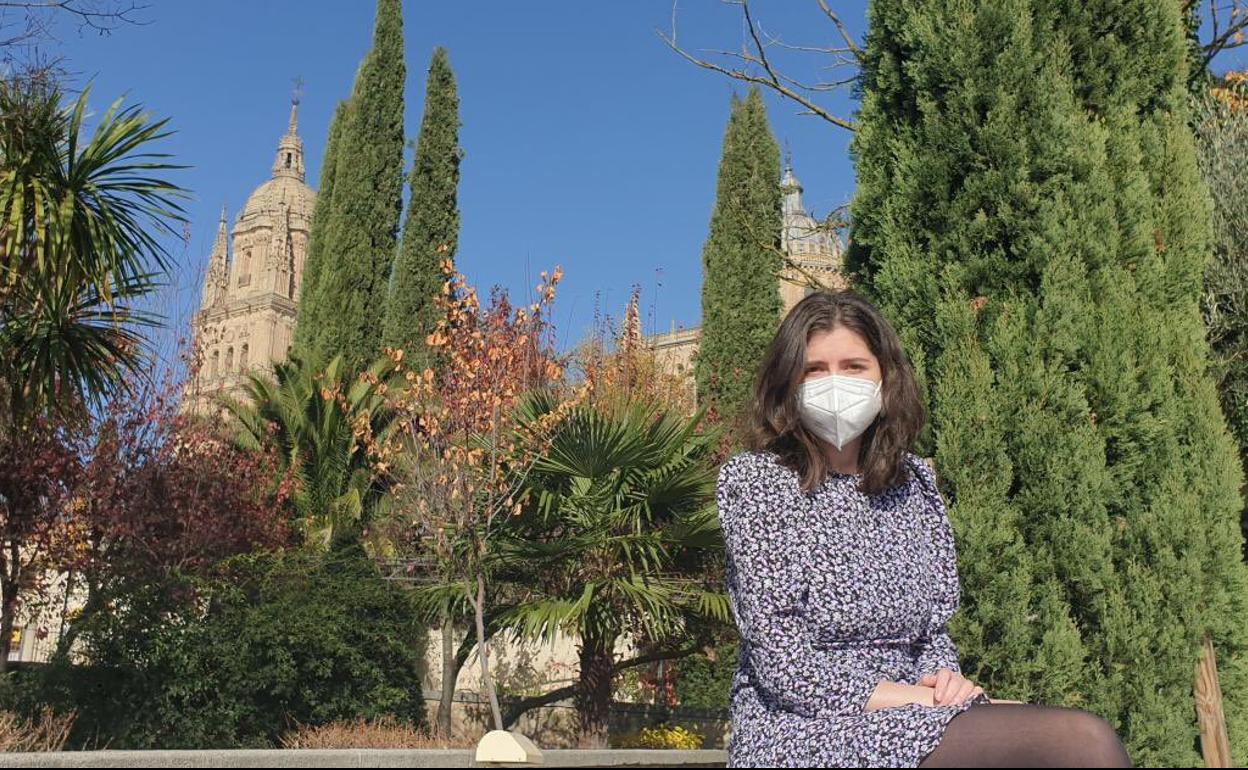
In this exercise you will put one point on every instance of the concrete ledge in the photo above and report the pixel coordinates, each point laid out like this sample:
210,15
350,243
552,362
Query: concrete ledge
358,758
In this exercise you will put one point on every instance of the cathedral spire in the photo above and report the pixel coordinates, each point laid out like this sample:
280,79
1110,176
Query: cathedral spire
217,279
289,161
791,189
630,337
219,244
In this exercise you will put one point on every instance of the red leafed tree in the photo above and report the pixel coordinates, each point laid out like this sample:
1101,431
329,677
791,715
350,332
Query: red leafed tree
38,472
160,493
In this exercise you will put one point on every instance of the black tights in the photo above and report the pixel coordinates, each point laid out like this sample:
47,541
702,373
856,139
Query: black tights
1024,735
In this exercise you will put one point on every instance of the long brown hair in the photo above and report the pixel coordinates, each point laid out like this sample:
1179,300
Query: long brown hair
776,425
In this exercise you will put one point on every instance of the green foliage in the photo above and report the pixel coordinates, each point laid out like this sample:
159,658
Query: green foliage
431,231
1221,122
705,682
234,661
741,262
80,226
618,526
361,224
1031,219
313,418
311,305
616,538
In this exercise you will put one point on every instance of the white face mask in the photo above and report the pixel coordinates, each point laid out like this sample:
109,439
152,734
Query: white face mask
838,409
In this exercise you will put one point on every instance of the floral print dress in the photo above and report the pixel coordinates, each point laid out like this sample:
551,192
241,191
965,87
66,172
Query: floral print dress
832,592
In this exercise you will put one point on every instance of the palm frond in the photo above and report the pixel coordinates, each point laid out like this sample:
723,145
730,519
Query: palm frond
79,245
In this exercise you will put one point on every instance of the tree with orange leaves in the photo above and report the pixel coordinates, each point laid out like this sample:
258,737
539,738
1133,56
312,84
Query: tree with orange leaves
616,541
461,456
631,369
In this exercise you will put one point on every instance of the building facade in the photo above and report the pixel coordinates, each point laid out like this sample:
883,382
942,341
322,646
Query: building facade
246,318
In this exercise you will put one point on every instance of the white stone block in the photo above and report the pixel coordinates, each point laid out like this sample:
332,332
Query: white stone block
510,747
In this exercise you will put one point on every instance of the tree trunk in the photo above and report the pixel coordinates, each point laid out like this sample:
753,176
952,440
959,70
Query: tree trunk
483,648
8,609
450,675
593,699
1210,718
72,629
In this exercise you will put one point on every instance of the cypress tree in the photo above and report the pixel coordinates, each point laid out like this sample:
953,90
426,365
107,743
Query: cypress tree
362,224
431,229
741,261
1222,138
310,307
1030,217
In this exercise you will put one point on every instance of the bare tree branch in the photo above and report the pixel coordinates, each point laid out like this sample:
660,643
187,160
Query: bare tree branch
841,28
755,56
26,23
1225,26
1226,22
102,16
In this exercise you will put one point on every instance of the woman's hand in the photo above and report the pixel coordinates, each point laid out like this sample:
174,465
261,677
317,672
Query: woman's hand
951,689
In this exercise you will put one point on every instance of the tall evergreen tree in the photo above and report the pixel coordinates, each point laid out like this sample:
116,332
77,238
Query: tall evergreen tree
310,305
1029,215
741,261
362,223
1222,137
431,230
1222,140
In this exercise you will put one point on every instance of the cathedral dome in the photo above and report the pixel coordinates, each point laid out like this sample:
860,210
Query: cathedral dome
286,190
802,237
271,196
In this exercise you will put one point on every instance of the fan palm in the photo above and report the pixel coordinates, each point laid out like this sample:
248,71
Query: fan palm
80,248
615,540
314,418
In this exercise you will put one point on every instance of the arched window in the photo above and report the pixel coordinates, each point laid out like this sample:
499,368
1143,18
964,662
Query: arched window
229,360
287,160
244,268
242,359
216,364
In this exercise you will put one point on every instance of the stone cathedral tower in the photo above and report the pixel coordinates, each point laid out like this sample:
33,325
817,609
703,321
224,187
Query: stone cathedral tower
251,289
814,257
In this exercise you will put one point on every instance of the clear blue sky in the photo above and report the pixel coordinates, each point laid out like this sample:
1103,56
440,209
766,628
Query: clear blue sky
589,144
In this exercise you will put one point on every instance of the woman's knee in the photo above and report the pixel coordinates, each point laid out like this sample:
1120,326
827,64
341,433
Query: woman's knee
1097,735
1090,727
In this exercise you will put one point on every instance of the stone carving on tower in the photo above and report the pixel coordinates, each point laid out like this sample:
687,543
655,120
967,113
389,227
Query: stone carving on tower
251,289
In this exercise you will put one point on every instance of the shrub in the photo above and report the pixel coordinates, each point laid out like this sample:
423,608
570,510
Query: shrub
46,731
269,641
705,681
382,733
662,736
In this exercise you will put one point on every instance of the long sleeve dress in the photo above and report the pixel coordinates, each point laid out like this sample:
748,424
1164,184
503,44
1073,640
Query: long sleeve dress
833,592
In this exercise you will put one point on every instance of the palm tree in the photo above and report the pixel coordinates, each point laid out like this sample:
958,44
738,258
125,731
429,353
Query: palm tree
317,421
615,541
80,229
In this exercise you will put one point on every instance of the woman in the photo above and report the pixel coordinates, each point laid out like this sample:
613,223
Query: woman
842,574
